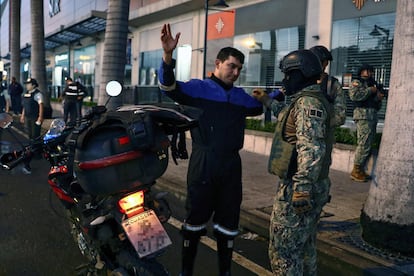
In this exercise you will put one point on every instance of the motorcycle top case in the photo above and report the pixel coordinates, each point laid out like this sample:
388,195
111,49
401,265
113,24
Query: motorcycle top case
120,151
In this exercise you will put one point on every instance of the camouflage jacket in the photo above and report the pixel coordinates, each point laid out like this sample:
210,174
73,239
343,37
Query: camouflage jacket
366,103
306,125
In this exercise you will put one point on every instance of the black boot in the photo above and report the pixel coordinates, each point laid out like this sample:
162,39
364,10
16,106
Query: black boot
189,251
182,146
225,252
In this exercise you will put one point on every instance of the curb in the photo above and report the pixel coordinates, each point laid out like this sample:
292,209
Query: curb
329,244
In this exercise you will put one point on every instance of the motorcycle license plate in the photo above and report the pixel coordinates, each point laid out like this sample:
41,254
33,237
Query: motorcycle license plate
146,233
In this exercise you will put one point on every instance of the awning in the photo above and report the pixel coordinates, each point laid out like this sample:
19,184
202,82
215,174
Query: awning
94,23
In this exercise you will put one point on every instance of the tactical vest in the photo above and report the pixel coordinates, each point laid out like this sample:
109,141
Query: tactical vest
372,101
31,107
283,155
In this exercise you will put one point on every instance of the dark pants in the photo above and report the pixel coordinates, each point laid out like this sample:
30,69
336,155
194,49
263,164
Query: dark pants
214,187
70,112
33,130
16,102
79,108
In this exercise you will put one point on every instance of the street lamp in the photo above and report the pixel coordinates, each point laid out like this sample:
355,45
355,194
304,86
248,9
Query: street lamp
376,32
222,4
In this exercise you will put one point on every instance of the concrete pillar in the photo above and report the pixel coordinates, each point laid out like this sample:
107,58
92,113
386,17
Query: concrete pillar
319,23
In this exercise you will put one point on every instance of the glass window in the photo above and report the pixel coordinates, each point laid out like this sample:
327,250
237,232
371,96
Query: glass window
361,40
263,51
84,67
128,65
148,91
149,63
61,70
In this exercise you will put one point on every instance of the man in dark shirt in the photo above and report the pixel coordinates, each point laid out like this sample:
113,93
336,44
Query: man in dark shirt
15,91
73,95
214,173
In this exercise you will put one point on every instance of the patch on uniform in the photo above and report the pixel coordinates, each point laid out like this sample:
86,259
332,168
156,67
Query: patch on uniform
355,83
313,112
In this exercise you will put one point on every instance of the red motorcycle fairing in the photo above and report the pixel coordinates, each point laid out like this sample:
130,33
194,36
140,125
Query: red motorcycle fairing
54,173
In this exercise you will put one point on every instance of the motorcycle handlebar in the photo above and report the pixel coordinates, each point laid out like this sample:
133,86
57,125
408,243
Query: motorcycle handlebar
11,160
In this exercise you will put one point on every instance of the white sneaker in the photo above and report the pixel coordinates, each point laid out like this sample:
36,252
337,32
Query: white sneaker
26,170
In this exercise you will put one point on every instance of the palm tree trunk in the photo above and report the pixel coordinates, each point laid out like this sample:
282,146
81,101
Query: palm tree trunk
388,216
114,53
15,38
38,66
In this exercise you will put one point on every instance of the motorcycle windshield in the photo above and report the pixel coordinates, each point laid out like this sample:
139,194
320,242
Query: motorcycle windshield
55,130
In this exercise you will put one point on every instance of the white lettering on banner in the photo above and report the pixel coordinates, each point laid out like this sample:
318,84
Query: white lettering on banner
54,7
219,25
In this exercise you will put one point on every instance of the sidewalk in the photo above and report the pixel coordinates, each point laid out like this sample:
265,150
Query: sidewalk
339,234
339,231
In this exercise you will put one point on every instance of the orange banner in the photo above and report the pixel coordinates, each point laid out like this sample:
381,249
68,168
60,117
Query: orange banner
220,25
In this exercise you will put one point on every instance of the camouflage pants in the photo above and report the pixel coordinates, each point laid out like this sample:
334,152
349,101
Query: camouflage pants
292,248
366,130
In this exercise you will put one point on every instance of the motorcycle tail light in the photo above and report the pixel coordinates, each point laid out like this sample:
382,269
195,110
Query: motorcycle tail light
132,204
124,140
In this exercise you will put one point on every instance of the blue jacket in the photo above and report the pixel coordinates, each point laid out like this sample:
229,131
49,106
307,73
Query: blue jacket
221,126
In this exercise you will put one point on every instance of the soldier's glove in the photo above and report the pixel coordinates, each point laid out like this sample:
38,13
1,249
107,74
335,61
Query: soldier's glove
262,96
301,202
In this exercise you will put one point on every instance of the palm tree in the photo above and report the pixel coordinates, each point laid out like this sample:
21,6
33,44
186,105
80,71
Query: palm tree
114,53
388,216
38,64
15,38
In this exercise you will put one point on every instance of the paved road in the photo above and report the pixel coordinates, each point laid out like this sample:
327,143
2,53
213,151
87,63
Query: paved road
35,237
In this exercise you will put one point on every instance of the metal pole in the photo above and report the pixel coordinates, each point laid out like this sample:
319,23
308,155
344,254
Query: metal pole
205,39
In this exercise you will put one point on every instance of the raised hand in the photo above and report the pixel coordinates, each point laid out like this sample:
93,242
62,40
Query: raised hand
168,42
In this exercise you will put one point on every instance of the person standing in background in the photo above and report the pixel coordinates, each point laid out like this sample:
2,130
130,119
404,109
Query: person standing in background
15,92
330,86
72,101
367,97
32,114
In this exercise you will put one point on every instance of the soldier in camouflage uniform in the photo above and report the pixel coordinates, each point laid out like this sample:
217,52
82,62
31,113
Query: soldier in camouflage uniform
367,100
300,156
331,86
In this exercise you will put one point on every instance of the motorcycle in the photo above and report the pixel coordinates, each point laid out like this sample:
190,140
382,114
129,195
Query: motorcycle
102,171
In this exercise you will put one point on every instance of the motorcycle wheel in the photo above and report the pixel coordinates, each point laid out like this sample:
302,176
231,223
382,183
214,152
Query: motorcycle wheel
142,267
95,267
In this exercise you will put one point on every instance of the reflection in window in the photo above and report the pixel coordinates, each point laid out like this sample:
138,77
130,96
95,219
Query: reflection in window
263,51
363,40
128,65
148,91
84,68
84,65
61,70
149,63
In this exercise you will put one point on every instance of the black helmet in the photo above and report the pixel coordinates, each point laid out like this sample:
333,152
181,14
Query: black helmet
304,61
32,81
365,66
321,52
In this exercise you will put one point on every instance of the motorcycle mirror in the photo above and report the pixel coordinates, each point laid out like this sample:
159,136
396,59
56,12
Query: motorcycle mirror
5,120
113,88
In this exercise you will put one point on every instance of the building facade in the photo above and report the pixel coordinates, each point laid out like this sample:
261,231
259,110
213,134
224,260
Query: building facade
356,32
